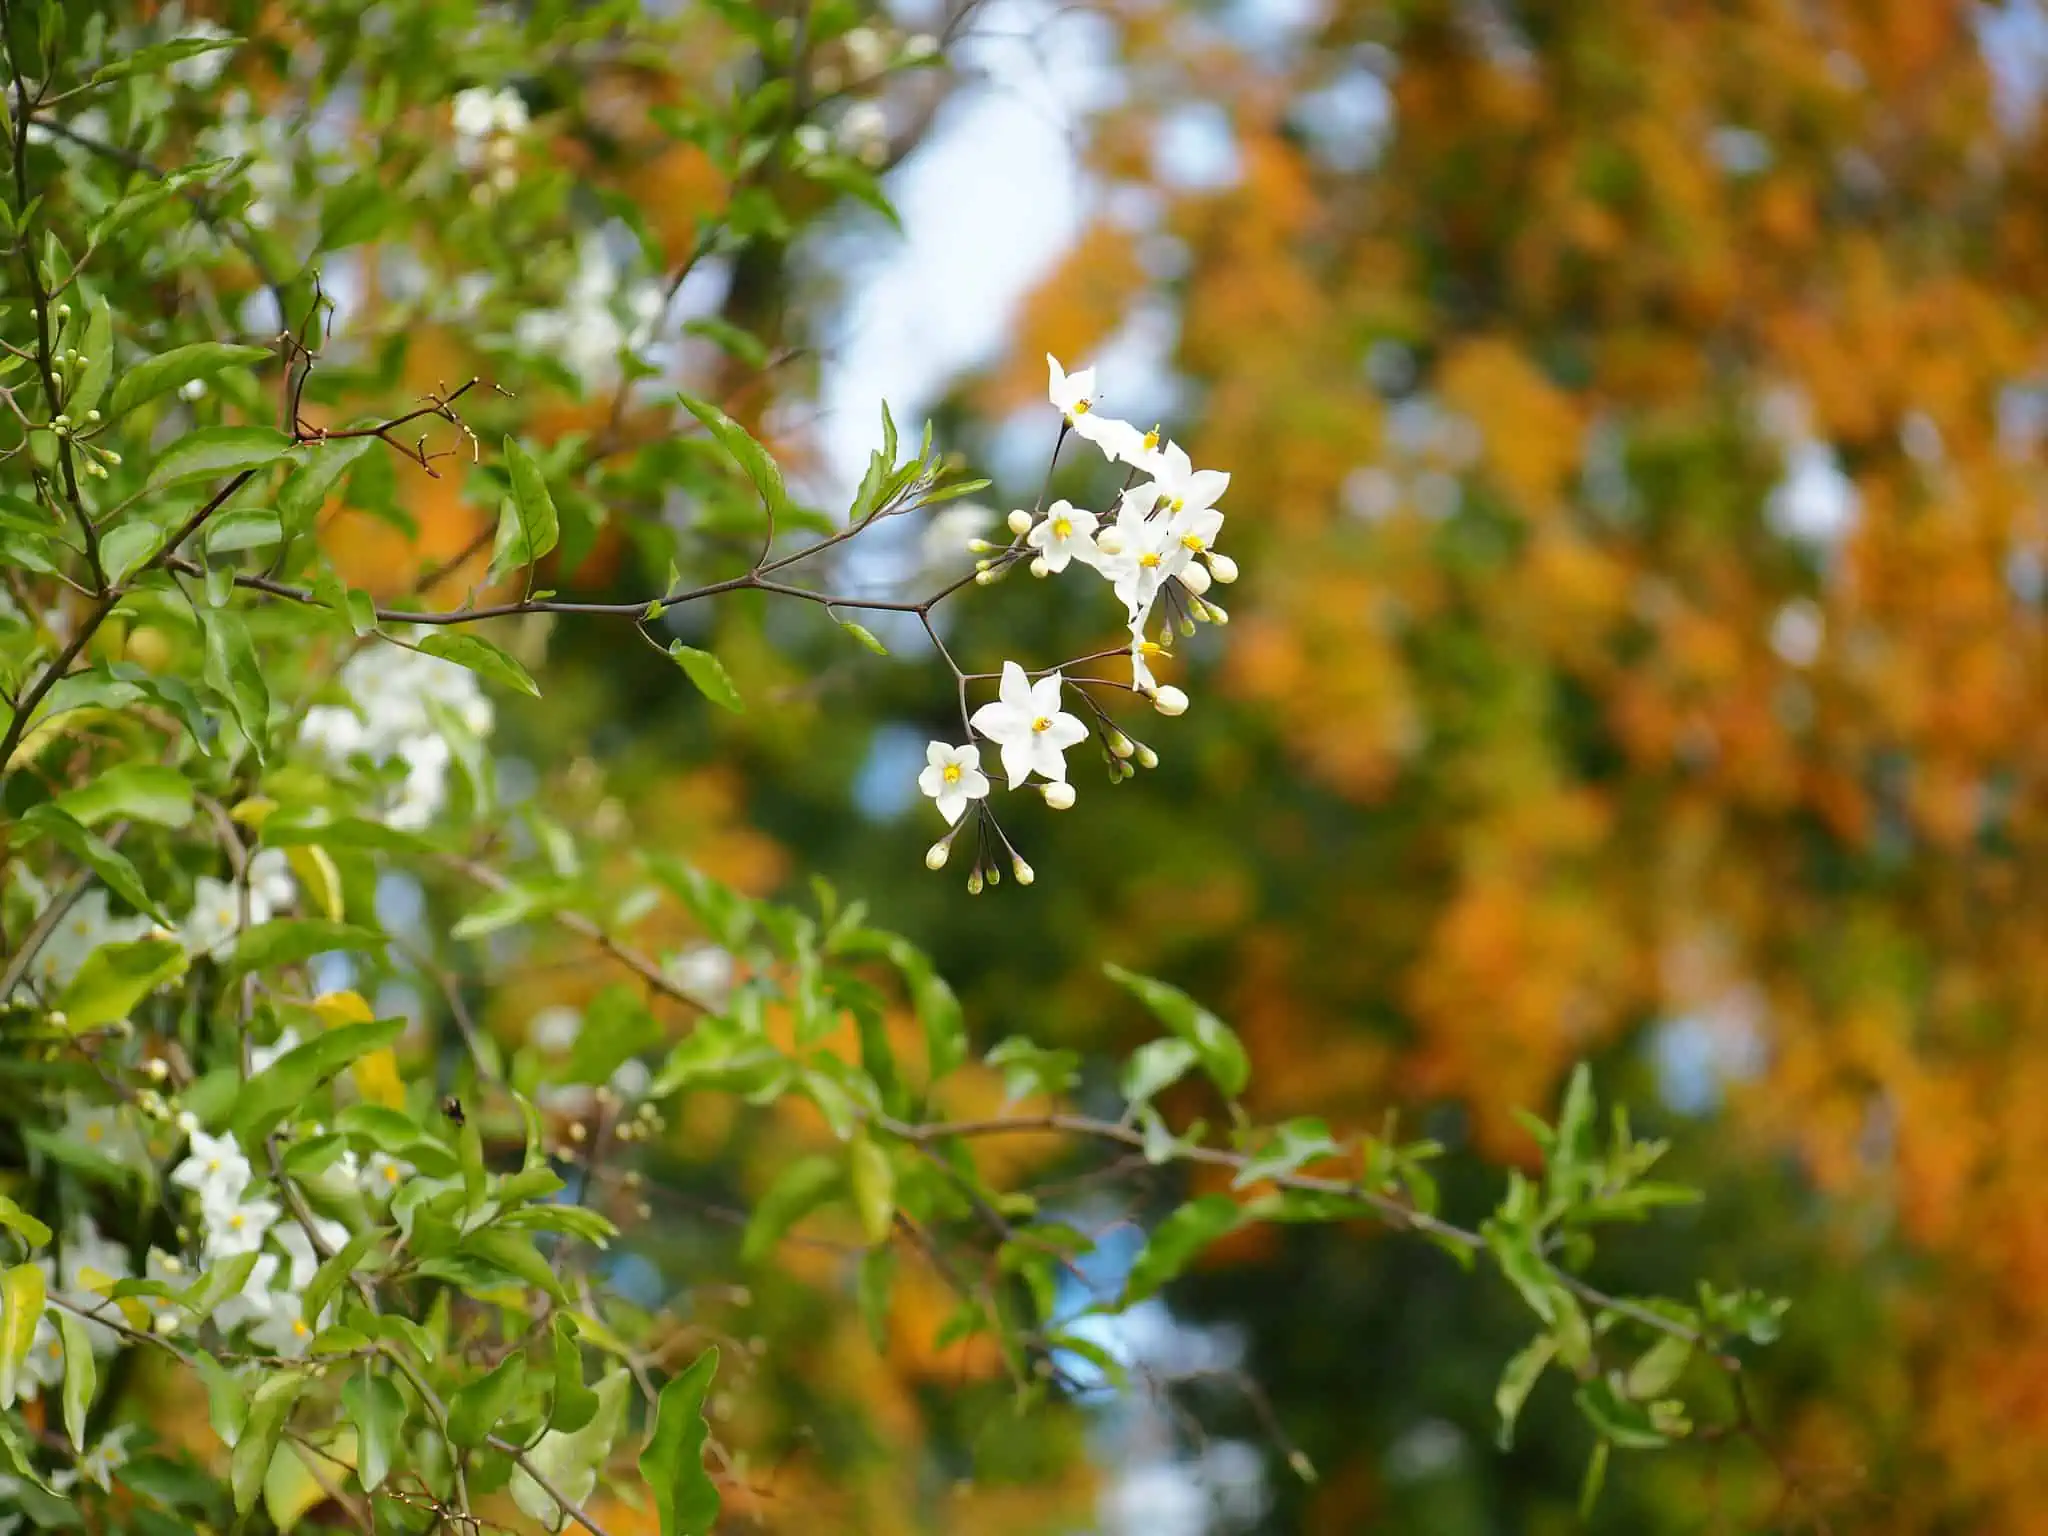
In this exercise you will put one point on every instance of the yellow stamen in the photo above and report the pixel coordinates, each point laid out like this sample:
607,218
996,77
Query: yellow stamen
1152,440
1062,528
952,773
1192,543
1042,723
1081,407
391,1173
299,1328
95,1132
1149,559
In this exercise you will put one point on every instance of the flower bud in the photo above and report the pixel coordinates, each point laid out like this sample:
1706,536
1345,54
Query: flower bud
1121,744
974,883
58,1019
63,311
1170,701
1216,614
984,577
60,421
935,856
1021,870
187,1121
1020,522
920,45
92,416
1147,758
1110,542
1195,578
1223,568
980,547
156,1069
1185,624
192,389
1060,796
1039,568
111,457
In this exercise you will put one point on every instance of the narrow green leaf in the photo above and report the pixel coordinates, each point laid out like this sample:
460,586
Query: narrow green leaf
290,940
51,820
872,1175
306,490
1153,1066
751,457
799,1189
377,1410
21,1306
270,1409
81,1377
573,1402
290,1082
1517,1380
865,636
539,528
234,673
32,1231
160,57
215,452
1221,1053
1658,1368
482,658
1176,1241
115,977
171,370
131,792
708,673
673,1462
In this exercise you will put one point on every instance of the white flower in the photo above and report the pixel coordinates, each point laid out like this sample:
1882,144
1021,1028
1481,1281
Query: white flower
283,1329
214,1169
481,113
192,389
384,1174
298,1247
704,973
335,731
864,132
1074,394
1142,652
554,1030
263,1057
1067,531
238,1227
866,52
1027,723
202,69
1183,487
216,914
812,140
1136,551
105,1129
85,928
270,879
98,1465
165,1269
252,1301
952,776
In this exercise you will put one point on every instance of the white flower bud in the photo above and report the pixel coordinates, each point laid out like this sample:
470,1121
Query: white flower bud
97,470
63,311
981,547
1121,744
1060,796
1195,578
58,1018
156,1069
1020,522
984,577
192,389
935,856
1147,758
159,932
92,416
1021,870
165,1322
1216,614
920,46
974,883
60,421
1039,568
1223,568
187,1121
111,457
1170,701
1110,542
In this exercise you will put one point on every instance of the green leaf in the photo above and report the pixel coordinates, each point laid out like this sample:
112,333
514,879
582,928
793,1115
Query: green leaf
745,451
306,490
290,1082
91,383
1517,1380
81,1377
570,1460
1614,1418
1514,1249
514,1253
17,1457
1153,1066
171,370
536,528
347,1260
233,672
799,1189
573,1403
673,1462
871,1173
865,636
1595,1480
708,673
122,878
160,57
1658,1368
482,658
377,1410
21,1306
131,792
221,1280
1221,1053
270,1409
290,940
474,1411
212,452
32,1231
1176,1241
115,977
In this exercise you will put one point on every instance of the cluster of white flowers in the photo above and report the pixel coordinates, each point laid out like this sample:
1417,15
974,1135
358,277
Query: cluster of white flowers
601,315
1156,548
393,694
487,127
216,915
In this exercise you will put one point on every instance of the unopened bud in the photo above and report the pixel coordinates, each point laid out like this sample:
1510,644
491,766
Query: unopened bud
1020,522
1121,744
1110,542
1147,758
1223,568
61,422
974,883
97,470
1170,701
984,577
187,1121
63,311
578,1132
92,416
935,856
159,932
192,389
1060,795
1039,568
1021,870
156,1069
111,457
1195,578
980,547
59,1019
921,45
1216,614
1185,625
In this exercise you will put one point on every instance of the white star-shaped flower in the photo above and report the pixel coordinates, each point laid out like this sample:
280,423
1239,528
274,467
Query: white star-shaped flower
1135,551
238,1228
1182,486
214,1169
283,1328
1142,653
1066,532
952,776
1027,723
1074,394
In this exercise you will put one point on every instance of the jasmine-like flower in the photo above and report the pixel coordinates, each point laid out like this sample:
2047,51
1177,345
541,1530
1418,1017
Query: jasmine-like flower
1026,722
952,776
214,1169
1066,532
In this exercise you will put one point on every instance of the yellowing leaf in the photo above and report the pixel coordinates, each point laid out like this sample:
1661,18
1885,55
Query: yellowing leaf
318,876
377,1079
